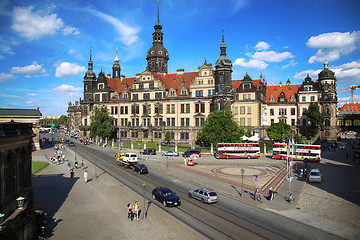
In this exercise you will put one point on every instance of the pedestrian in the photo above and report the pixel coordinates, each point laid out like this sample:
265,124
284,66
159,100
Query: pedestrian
72,174
185,161
301,173
76,164
136,211
130,212
63,157
82,164
271,194
85,176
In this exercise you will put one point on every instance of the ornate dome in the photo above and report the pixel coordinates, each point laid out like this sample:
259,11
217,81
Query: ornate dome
157,51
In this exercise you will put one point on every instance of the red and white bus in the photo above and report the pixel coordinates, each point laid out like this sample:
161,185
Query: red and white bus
302,151
238,150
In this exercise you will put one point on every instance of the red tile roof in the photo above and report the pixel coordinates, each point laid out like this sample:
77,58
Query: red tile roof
349,108
275,91
236,83
174,80
119,86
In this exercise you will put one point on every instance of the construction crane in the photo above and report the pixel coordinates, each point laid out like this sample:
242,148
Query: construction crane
352,88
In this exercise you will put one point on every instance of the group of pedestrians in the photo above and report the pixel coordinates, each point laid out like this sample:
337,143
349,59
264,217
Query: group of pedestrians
133,211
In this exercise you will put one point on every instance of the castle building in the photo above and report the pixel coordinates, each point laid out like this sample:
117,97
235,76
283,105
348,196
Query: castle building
155,102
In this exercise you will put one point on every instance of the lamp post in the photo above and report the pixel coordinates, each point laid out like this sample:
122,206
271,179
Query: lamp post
242,180
144,186
95,166
1,219
20,202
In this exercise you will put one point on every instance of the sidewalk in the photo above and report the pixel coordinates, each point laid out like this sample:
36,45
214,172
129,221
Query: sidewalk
97,209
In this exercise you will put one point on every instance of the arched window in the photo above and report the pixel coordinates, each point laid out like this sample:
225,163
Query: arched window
340,122
356,122
348,122
327,122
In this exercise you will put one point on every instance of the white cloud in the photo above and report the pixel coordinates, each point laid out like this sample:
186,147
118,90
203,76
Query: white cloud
348,73
72,51
5,48
262,46
68,91
66,69
29,102
252,63
291,64
4,77
127,34
32,94
271,56
35,25
336,43
70,30
312,73
34,68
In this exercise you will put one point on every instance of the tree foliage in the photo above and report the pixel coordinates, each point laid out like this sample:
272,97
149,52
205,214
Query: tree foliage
277,130
315,118
167,137
219,127
63,119
102,125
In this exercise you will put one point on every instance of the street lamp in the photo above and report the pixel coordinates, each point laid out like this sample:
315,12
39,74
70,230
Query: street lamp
95,166
20,202
242,184
144,186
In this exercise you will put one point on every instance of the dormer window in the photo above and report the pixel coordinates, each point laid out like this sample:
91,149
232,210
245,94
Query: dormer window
272,99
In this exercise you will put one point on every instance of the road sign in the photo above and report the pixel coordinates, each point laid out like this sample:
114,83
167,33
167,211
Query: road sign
256,178
194,156
289,178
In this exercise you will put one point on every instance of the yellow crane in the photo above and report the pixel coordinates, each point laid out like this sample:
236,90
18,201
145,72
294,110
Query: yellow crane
352,88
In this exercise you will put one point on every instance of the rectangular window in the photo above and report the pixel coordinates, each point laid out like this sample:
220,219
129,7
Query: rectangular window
159,109
135,96
85,122
197,107
292,111
249,110
156,122
182,108
173,122
116,110
202,107
112,110
304,98
126,109
184,135
272,121
312,98
236,110
303,111
187,108
146,96
282,111
182,122
292,122
197,122
242,110
242,122
187,122
158,95
172,108
249,122
121,110
304,122
271,112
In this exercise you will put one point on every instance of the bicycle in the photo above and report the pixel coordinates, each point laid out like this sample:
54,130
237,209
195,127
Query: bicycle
257,196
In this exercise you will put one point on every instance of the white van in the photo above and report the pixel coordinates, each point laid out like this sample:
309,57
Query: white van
130,158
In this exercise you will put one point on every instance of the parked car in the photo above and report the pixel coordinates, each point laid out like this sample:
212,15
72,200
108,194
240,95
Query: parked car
130,158
67,141
315,175
170,153
148,151
71,144
166,196
141,168
189,152
204,195
342,146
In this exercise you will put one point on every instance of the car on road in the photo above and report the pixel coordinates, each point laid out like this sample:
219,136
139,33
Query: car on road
67,141
204,195
141,168
170,153
189,152
72,144
314,176
166,196
342,146
130,158
148,151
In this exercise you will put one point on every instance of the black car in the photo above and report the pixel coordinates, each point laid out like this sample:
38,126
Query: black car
189,152
165,196
67,141
148,151
140,168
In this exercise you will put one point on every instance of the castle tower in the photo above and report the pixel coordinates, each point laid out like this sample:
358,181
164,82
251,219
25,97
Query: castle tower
89,81
328,101
224,95
116,67
157,56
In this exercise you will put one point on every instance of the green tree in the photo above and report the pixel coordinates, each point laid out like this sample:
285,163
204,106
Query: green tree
102,125
167,138
63,119
248,133
277,130
219,127
315,118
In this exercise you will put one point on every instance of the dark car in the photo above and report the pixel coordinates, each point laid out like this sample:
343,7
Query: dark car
148,151
166,196
71,144
189,152
67,141
141,168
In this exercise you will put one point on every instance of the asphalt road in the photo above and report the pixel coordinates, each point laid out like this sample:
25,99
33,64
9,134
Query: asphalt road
227,219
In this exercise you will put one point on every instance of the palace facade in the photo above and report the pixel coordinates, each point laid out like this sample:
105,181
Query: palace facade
155,102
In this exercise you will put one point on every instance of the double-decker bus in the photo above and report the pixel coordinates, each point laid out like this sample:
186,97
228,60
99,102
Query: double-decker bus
238,150
302,152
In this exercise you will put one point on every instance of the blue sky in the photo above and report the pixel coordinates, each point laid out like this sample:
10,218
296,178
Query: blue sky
45,45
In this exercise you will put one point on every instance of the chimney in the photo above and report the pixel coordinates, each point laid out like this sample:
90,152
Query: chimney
180,71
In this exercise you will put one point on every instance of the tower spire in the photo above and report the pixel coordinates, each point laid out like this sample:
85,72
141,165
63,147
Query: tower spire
326,64
90,63
158,13
223,34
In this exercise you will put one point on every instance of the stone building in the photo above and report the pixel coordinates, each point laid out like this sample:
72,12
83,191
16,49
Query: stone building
155,102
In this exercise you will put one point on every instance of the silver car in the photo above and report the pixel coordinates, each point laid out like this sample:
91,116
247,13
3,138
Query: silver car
170,153
204,195
315,175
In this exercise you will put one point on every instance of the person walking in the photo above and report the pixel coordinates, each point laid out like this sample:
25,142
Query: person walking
136,211
76,164
72,174
85,176
82,164
185,161
130,212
